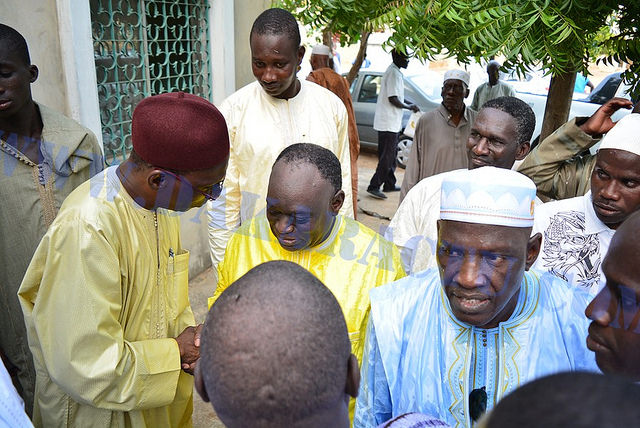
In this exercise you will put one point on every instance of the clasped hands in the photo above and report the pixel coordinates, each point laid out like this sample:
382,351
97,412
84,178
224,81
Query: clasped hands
189,345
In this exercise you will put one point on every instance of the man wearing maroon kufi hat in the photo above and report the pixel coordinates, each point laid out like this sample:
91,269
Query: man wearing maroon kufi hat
105,298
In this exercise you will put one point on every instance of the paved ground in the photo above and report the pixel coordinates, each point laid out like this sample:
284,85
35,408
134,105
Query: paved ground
202,286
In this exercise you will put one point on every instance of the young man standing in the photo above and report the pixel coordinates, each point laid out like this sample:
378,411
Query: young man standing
388,122
43,157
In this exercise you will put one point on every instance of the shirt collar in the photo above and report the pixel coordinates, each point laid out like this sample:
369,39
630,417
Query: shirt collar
447,116
332,235
592,224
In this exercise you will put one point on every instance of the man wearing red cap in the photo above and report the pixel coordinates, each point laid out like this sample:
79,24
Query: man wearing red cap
105,297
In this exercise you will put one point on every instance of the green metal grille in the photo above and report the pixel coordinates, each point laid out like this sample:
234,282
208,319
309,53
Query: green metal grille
142,48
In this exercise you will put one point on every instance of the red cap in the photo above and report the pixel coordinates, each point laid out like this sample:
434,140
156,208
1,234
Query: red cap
179,131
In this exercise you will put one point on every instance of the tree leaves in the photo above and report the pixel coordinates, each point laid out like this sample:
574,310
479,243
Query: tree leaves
559,35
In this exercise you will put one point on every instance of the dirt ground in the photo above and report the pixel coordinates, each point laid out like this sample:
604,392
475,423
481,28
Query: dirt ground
202,286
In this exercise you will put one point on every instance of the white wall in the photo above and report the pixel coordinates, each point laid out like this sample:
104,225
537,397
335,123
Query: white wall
246,11
37,21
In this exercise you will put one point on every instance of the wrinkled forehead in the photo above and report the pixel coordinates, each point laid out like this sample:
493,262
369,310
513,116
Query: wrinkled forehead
297,183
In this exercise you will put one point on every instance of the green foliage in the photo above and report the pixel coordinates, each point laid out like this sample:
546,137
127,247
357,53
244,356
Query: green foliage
347,18
625,45
559,35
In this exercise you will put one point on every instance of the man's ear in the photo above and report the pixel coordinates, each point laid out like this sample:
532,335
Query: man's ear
156,179
199,383
33,72
533,249
353,377
523,150
301,51
336,202
466,94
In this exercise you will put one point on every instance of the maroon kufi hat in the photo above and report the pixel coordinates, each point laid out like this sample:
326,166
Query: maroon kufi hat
179,131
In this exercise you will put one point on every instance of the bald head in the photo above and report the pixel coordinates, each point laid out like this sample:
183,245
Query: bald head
585,400
275,351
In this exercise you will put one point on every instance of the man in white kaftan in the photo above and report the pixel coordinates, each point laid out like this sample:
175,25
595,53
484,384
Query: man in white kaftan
266,116
500,135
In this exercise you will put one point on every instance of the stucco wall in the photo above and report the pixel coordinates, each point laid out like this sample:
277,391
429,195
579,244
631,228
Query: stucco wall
246,11
37,21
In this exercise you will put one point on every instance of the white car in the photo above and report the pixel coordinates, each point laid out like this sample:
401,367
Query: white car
581,106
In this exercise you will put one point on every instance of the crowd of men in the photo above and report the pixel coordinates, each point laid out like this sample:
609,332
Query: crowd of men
481,306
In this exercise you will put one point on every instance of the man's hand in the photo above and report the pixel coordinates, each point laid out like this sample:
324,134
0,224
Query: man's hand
600,122
189,345
414,108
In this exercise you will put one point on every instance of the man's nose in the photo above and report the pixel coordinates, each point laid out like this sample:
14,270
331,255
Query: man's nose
599,310
610,190
285,224
470,274
481,147
268,75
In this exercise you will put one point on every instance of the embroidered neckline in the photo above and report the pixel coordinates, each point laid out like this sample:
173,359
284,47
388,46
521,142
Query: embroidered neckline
16,153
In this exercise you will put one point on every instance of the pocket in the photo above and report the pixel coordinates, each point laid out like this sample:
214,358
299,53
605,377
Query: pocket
178,283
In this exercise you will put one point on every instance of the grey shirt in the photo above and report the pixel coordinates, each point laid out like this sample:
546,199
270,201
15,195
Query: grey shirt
438,146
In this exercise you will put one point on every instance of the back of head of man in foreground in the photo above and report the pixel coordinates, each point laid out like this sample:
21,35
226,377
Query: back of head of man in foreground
484,242
275,352
577,400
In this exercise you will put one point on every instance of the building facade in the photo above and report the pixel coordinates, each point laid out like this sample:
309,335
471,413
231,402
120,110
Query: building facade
99,58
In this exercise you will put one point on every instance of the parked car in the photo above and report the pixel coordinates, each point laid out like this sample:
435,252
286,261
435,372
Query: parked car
421,89
611,86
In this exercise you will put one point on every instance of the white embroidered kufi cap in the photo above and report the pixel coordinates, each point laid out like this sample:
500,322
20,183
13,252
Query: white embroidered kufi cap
457,74
320,50
625,135
488,195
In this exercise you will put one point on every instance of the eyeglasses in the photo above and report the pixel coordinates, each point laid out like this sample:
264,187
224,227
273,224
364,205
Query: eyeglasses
212,194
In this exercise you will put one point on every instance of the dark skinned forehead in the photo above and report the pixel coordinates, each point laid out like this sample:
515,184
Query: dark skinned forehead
626,162
10,54
283,43
492,121
300,181
485,237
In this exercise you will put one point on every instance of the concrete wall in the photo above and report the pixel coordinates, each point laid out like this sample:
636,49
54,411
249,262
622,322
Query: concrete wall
66,84
195,238
37,21
246,11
